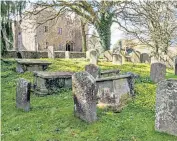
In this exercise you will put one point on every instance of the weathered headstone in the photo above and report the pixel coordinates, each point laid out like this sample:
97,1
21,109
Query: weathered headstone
67,54
85,96
144,58
158,71
51,52
166,107
93,70
108,55
23,94
93,57
176,66
117,59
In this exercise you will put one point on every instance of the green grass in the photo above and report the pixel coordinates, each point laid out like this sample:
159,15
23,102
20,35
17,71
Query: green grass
51,118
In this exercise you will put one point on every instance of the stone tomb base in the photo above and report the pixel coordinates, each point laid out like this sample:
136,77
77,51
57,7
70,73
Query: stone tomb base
114,92
31,65
46,83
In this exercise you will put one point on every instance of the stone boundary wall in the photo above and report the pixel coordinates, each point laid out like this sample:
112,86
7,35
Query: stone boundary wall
26,54
42,54
59,54
77,55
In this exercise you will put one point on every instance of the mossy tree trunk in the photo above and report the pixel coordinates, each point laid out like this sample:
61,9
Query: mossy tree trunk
84,40
103,28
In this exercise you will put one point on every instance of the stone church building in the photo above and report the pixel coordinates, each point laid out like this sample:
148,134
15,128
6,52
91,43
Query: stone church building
38,31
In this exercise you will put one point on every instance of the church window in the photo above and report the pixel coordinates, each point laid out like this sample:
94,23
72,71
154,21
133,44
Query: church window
60,31
45,28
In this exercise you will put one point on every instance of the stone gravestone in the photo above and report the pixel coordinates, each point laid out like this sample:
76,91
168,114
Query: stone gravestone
23,94
51,52
67,54
158,71
93,70
117,59
135,56
144,58
93,57
85,96
166,107
108,55
176,66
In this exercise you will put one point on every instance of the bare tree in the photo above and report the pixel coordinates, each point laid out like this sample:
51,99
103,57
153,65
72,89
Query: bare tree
152,22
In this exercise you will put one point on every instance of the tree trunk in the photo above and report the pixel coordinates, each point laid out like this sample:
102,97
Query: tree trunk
84,45
104,32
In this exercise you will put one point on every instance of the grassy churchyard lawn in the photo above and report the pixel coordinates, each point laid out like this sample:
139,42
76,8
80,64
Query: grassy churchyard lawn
51,118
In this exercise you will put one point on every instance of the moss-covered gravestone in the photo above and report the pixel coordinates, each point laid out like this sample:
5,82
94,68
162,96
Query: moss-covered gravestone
158,71
93,70
84,94
166,107
23,94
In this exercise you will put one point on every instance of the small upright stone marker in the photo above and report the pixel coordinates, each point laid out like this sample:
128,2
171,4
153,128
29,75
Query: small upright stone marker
67,54
93,70
51,52
23,94
176,66
117,59
93,57
166,107
88,54
85,96
158,71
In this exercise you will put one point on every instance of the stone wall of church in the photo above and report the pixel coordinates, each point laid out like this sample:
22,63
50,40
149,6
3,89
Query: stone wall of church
36,34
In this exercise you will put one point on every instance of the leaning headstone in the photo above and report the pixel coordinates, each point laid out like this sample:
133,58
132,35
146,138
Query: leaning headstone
158,71
23,94
85,96
176,66
117,59
93,70
67,54
93,57
135,56
166,107
108,55
51,52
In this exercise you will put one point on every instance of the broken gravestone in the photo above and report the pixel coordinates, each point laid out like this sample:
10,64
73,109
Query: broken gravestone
93,70
85,96
158,71
166,107
23,94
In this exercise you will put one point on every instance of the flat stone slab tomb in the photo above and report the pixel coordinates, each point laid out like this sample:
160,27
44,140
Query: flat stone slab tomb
47,83
31,65
115,91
